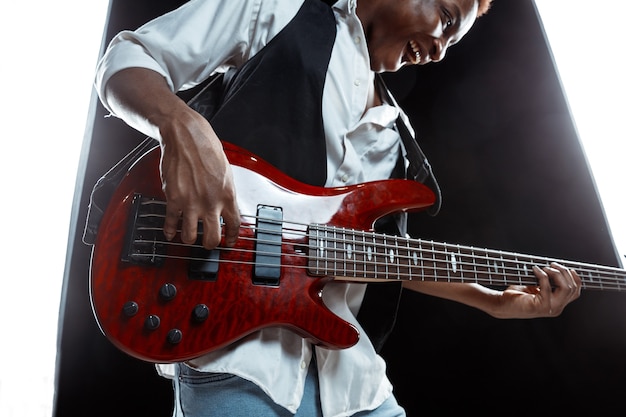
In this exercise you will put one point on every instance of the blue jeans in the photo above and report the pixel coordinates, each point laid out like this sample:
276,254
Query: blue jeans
199,394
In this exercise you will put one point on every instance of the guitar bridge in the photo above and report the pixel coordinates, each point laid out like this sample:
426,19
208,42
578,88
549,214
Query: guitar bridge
144,242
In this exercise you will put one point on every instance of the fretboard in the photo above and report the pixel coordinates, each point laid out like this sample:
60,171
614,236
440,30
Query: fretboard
367,256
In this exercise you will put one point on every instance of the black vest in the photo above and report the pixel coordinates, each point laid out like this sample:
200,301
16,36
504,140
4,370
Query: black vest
272,106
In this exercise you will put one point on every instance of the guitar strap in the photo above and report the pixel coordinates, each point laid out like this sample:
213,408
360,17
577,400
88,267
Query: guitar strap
419,168
104,188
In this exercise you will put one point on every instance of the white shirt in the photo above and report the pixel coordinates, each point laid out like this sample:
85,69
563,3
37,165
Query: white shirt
204,36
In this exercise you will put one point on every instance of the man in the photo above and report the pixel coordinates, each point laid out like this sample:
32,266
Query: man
274,371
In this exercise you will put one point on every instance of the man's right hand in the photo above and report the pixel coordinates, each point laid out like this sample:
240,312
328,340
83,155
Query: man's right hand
197,182
195,173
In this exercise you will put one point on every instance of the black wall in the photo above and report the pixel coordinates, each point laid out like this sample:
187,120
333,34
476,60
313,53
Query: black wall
494,122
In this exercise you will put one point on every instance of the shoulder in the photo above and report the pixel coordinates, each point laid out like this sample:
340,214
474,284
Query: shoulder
269,18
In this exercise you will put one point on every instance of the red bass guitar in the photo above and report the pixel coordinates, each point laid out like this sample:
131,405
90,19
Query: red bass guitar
165,301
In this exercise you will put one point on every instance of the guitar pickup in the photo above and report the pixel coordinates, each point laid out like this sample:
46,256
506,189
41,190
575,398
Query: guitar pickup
269,231
204,264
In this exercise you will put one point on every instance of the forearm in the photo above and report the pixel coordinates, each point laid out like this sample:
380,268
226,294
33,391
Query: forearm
473,295
190,151
556,287
142,98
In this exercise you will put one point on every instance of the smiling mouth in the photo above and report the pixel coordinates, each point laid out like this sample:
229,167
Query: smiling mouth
413,53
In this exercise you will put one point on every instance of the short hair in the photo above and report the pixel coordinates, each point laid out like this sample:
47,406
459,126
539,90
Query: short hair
483,7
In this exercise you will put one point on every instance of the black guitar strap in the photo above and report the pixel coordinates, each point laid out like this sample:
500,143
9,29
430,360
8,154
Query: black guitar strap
419,168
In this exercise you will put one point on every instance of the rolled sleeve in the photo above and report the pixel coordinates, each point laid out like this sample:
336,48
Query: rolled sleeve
186,45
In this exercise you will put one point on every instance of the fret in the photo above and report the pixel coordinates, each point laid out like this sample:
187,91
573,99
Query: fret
611,285
390,258
396,258
434,258
517,269
367,254
466,269
421,261
359,259
410,255
363,255
381,260
384,256
460,260
350,252
401,259
426,261
503,274
344,251
340,246
442,261
357,253
474,266
431,263
453,263
448,261
528,269
324,250
601,285
489,267
334,245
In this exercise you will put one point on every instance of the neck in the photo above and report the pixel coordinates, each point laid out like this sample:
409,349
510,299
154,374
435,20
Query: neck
365,11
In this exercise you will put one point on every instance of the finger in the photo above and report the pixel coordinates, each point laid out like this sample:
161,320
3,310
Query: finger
211,232
170,225
563,278
544,280
232,223
571,280
578,281
189,230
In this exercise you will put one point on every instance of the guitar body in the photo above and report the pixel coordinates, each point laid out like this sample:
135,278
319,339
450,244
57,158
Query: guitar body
152,303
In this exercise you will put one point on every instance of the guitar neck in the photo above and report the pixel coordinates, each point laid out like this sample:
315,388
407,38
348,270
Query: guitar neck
360,256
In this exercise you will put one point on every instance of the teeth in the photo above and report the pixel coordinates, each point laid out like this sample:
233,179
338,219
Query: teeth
416,51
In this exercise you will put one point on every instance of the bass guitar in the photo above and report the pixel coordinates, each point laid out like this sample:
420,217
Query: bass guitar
166,301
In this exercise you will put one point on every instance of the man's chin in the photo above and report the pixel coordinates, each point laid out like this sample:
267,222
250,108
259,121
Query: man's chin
380,67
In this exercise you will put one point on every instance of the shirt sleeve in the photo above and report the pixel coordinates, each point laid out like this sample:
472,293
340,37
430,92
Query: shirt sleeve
199,38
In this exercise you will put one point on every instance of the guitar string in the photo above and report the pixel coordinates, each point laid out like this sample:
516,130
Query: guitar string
504,266
497,256
371,267
371,270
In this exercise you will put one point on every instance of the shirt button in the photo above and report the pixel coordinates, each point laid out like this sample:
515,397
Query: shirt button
345,178
357,40
303,365
357,82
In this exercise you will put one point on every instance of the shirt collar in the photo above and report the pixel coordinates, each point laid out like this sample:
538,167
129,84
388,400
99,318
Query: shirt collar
346,6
